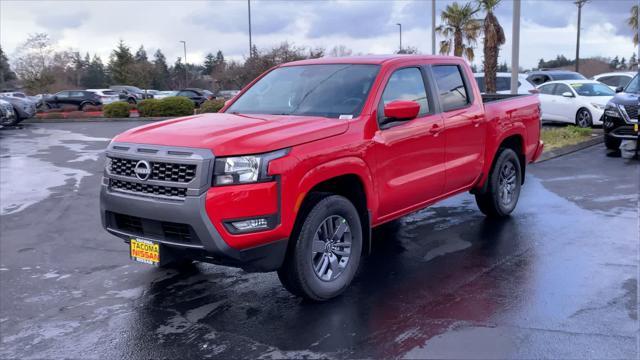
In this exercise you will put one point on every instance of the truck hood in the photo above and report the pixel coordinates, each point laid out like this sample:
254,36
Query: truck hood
231,134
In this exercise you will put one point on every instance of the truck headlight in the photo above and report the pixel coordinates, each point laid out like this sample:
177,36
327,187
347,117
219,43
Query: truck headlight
612,111
244,169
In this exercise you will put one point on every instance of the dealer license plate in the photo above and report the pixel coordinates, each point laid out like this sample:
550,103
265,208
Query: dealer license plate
145,251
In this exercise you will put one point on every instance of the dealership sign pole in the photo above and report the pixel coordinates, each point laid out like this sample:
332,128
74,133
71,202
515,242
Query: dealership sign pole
433,27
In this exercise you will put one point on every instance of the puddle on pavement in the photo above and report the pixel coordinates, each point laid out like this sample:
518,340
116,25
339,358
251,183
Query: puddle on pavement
33,179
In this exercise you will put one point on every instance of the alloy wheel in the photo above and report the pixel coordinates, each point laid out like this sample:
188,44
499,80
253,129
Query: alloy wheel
331,248
507,183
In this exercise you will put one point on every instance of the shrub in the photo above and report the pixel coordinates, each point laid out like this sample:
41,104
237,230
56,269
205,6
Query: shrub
56,115
118,109
91,108
76,115
148,107
174,106
211,106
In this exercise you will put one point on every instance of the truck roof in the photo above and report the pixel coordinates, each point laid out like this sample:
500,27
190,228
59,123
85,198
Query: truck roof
369,59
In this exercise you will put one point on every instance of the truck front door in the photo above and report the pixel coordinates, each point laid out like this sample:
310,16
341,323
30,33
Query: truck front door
409,155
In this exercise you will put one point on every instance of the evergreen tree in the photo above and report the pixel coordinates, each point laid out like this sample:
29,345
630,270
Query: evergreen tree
161,75
623,64
6,75
615,63
121,64
95,77
209,64
633,62
141,55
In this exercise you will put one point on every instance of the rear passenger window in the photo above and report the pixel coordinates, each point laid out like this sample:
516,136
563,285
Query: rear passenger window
453,93
406,84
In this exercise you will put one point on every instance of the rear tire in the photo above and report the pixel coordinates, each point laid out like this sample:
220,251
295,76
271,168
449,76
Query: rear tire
612,143
504,182
325,252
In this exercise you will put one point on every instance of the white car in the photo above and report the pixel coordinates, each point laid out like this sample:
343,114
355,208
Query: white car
503,83
107,96
164,94
579,102
615,80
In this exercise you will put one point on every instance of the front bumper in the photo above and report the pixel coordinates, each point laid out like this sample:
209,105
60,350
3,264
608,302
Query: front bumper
192,224
619,128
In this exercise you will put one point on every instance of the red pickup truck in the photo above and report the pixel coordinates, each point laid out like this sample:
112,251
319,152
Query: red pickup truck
294,172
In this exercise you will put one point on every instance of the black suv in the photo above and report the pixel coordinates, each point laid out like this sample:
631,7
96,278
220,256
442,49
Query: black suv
130,94
198,96
620,119
543,76
79,98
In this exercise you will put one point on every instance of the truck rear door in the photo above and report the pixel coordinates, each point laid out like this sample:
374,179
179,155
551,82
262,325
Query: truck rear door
464,126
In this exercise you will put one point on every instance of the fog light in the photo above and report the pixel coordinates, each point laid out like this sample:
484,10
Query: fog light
251,225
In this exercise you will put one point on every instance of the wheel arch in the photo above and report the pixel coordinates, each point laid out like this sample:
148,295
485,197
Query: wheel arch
346,177
515,142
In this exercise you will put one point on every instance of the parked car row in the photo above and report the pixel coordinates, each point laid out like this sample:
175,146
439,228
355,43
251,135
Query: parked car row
565,96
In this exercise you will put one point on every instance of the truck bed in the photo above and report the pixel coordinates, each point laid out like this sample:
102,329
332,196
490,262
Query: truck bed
499,97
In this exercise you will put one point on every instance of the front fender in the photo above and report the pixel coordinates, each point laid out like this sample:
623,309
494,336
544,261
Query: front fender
339,167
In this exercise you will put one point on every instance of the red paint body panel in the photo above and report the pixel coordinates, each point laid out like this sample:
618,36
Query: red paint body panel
402,169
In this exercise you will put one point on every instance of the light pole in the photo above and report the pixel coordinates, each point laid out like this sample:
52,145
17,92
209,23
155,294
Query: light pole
186,81
400,26
433,27
515,47
250,43
580,4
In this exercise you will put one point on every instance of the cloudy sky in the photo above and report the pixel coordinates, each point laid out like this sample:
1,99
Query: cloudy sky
548,26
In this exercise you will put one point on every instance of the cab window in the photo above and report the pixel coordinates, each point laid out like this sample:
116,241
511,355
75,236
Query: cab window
451,88
405,84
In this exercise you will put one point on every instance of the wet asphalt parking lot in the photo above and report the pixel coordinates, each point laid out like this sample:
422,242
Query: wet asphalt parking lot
558,279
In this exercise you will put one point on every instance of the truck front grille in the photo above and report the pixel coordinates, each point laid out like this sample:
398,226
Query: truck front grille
162,171
153,229
158,190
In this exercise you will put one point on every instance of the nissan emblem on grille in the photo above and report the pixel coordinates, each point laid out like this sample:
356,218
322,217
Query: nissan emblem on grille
142,170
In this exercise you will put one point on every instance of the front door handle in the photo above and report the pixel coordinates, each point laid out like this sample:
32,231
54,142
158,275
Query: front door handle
435,129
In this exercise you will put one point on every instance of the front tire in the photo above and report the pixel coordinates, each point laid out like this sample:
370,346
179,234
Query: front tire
505,180
584,118
612,143
326,251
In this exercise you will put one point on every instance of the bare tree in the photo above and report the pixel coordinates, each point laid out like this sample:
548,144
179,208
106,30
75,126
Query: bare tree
32,62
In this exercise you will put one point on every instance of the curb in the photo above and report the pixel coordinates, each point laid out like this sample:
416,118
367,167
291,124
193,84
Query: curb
84,120
570,149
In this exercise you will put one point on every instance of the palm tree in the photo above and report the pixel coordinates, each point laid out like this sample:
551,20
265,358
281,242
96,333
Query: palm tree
633,22
460,29
493,38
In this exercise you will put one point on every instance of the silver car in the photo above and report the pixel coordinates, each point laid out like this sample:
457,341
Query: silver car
23,108
8,117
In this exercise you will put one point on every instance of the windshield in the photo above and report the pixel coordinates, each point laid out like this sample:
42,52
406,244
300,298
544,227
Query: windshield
633,86
592,89
317,90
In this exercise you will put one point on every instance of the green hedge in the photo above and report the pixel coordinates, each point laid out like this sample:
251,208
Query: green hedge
211,106
118,109
170,106
148,107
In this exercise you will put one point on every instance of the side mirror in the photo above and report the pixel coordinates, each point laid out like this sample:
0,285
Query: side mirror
401,110
567,94
619,89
